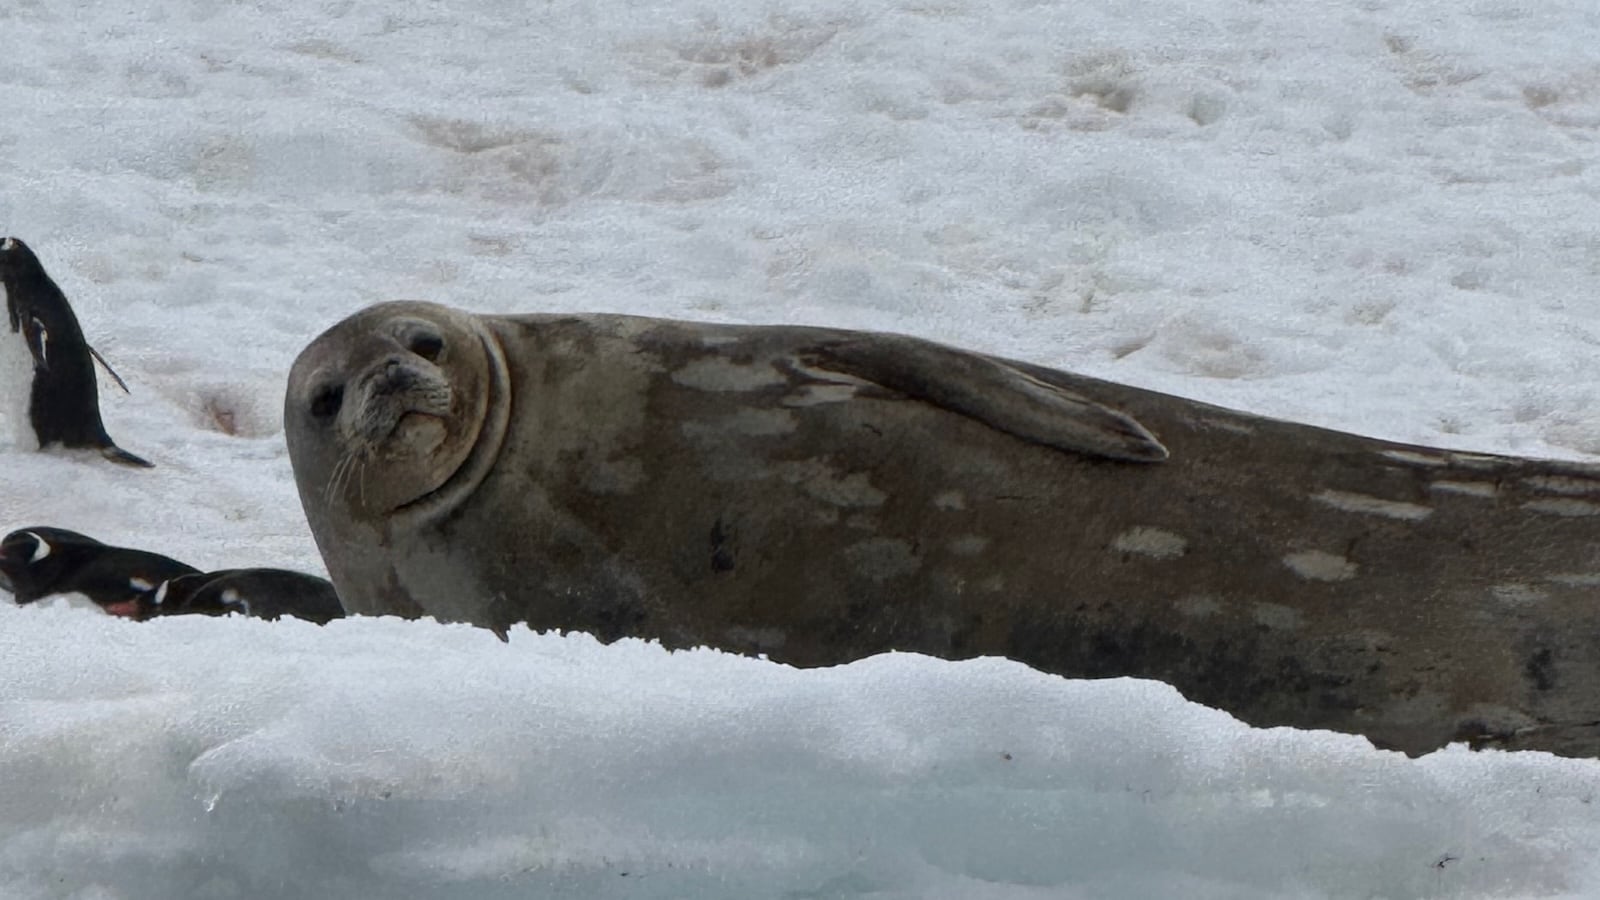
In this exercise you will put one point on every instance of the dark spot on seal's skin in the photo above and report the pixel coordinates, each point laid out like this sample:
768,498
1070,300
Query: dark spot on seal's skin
1230,671
616,616
1479,735
722,555
326,402
1541,669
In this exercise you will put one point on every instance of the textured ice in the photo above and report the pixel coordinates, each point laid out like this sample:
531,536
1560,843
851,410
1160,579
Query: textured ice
1376,216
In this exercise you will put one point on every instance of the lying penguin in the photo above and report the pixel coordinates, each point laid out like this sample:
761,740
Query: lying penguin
48,363
261,593
41,561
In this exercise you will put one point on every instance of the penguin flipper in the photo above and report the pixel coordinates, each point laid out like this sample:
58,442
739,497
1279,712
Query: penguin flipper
38,338
122,457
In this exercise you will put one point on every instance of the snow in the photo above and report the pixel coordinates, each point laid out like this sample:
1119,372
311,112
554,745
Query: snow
1375,215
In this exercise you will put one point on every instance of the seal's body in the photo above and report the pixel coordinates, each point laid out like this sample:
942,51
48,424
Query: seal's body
63,400
41,561
261,593
817,496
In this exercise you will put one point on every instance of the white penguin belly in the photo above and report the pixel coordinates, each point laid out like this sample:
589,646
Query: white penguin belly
16,383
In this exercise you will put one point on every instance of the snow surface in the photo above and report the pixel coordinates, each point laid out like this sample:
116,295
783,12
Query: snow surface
1377,215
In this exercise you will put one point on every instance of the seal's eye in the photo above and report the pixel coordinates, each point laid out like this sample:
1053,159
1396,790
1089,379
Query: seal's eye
427,346
326,403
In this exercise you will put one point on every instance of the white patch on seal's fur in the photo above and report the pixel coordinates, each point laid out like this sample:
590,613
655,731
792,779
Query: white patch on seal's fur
751,422
1562,484
1277,617
139,584
1517,594
1475,460
882,559
1152,542
1576,579
1199,606
1370,505
41,549
823,482
1207,424
1564,506
1317,565
714,373
818,394
1470,488
1415,458
969,545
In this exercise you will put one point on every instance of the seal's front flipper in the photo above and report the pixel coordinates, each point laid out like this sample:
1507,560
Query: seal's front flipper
122,457
109,371
989,391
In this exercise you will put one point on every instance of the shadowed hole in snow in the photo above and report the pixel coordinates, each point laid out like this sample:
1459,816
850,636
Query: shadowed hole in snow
235,410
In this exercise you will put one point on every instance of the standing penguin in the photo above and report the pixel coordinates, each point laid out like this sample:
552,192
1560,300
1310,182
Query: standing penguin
63,403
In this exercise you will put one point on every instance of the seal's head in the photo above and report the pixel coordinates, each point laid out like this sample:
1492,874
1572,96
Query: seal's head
394,411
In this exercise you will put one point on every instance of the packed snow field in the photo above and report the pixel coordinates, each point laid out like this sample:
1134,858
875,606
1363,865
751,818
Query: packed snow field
1376,215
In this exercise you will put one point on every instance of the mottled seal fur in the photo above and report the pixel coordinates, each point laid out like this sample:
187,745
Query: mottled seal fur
817,495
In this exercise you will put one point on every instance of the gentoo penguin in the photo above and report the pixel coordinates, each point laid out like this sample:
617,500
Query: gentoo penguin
39,561
62,400
262,593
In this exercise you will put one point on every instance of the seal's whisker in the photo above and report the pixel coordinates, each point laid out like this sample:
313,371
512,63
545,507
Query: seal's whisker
358,462
342,473
331,489
333,475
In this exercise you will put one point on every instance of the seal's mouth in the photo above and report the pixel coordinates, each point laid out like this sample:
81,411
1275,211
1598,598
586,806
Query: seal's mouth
485,443
416,433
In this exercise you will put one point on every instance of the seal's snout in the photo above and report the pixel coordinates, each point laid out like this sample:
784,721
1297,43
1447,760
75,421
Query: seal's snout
391,389
392,375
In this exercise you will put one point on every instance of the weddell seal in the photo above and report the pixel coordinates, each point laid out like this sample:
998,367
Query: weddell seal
48,365
818,495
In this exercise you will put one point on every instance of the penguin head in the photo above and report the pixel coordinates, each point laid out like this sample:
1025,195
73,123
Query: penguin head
34,560
27,565
15,256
